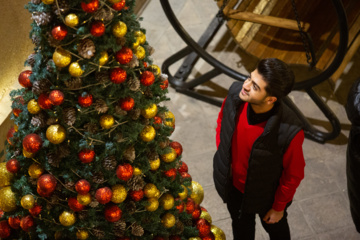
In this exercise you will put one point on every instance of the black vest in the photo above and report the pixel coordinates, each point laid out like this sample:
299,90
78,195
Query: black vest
265,163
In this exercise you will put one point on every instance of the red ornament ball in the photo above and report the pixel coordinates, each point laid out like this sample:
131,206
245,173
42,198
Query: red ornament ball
90,7
197,212
185,176
14,222
16,112
147,78
171,173
1,213
44,101
124,171
5,229
32,143
136,195
118,75
177,147
86,155
204,227
59,32
180,205
85,99
119,6
46,184
210,236
82,187
10,134
183,167
203,209
145,64
26,223
157,120
97,28
112,213
164,85
75,205
13,165
56,97
127,104
24,79
190,206
36,210
124,56
103,195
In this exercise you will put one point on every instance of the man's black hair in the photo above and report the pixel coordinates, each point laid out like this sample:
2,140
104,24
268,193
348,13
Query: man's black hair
278,76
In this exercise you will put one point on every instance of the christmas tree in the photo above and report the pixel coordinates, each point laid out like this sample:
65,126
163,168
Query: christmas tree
90,155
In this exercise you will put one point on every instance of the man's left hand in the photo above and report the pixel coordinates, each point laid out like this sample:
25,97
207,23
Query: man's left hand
273,216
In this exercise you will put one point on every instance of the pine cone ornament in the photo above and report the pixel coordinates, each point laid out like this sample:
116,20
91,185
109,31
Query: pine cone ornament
148,93
153,155
51,121
134,62
119,228
101,106
119,111
119,137
150,49
31,59
145,121
52,41
100,234
63,150
36,2
17,152
135,114
39,120
102,76
129,154
121,41
70,185
50,66
63,7
32,181
91,128
164,144
69,116
137,230
188,222
35,39
41,18
41,86
73,83
134,84
109,163
178,229
86,48
130,207
104,14
82,215
136,183
53,159
94,203
98,178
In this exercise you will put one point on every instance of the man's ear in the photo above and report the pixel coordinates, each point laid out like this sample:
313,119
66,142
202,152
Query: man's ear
271,99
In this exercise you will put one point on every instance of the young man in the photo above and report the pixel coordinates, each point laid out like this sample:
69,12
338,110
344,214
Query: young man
259,162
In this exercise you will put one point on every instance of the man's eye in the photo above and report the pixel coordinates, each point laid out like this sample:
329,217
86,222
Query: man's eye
254,87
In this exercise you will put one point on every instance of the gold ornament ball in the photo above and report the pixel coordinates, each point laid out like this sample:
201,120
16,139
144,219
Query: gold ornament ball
136,43
150,190
33,107
104,58
150,112
137,171
48,1
139,35
140,52
195,238
61,57
197,193
7,199
71,20
16,127
56,134
153,204
28,154
206,215
107,121
184,193
156,70
119,29
157,194
84,199
27,201
218,233
167,201
5,175
35,170
169,119
82,234
148,133
168,220
154,164
67,218
114,1
169,157
75,69
119,193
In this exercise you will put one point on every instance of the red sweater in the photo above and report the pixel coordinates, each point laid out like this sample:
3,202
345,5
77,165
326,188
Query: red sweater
244,136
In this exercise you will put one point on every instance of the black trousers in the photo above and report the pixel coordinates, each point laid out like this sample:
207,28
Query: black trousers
243,223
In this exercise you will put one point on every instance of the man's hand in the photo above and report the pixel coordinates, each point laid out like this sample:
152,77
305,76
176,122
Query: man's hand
273,216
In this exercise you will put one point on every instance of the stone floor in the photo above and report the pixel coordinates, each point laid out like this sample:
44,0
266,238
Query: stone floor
320,210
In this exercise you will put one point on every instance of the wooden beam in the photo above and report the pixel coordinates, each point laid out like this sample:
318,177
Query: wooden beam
267,20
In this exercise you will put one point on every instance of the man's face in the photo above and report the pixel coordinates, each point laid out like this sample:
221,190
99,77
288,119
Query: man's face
253,90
